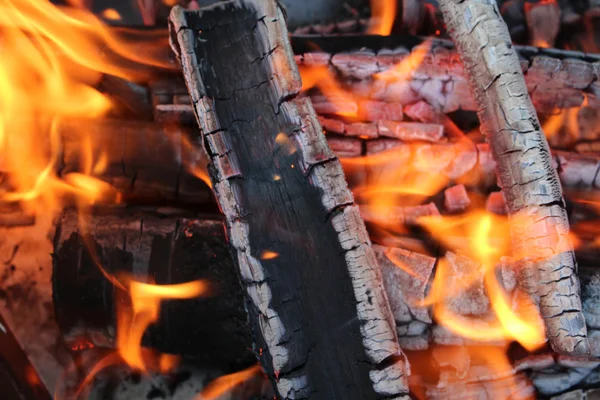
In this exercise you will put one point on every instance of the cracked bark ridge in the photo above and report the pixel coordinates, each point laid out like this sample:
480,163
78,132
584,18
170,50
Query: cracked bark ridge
525,170
323,325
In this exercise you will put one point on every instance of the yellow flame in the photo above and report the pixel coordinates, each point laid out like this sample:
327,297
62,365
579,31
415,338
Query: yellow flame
383,15
145,301
404,69
111,14
323,78
52,58
224,384
485,238
401,177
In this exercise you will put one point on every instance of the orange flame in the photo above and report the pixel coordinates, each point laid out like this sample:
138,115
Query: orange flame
52,58
383,15
268,255
404,69
562,121
473,235
111,14
146,299
323,78
403,176
224,384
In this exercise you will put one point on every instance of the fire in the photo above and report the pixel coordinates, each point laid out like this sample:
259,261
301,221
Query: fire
473,236
268,255
224,384
133,321
383,15
111,14
52,59
563,123
405,176
145,308
404,69
323,78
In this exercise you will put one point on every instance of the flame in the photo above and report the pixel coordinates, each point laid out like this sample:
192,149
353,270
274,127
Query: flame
403,70
111,14
268,255
323,78
563,121
145,301
53,57
542,44
472,234
224,384
405,176
197,163
383,15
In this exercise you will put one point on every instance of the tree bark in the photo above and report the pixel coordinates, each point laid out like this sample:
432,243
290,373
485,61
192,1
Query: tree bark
528,180
291,220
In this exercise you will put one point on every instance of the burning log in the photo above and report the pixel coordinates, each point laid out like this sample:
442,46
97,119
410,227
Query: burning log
291,220
218,335
158,249
130,149
530,184
18,379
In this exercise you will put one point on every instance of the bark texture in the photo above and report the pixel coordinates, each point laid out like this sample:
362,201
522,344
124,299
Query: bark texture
528,180
291,220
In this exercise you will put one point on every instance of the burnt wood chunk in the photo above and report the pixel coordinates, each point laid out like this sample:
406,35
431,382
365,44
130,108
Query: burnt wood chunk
456,198
151,248
291,221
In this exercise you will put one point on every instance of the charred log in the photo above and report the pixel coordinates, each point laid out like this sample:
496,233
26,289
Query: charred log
528,180
292,223
18,378
157,249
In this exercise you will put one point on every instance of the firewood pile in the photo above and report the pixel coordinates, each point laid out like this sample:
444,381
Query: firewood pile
405,216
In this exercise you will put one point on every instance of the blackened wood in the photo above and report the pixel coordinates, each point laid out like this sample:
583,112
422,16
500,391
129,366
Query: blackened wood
18,378
292,223
211,331
145,162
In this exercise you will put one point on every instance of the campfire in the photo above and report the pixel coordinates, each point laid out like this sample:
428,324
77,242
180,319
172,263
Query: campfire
236,200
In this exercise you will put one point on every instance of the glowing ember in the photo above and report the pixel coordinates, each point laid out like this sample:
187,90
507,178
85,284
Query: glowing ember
111,14
268,255
383,15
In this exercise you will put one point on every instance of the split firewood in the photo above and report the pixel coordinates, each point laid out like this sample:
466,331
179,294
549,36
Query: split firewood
153,248
290,217
529,182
